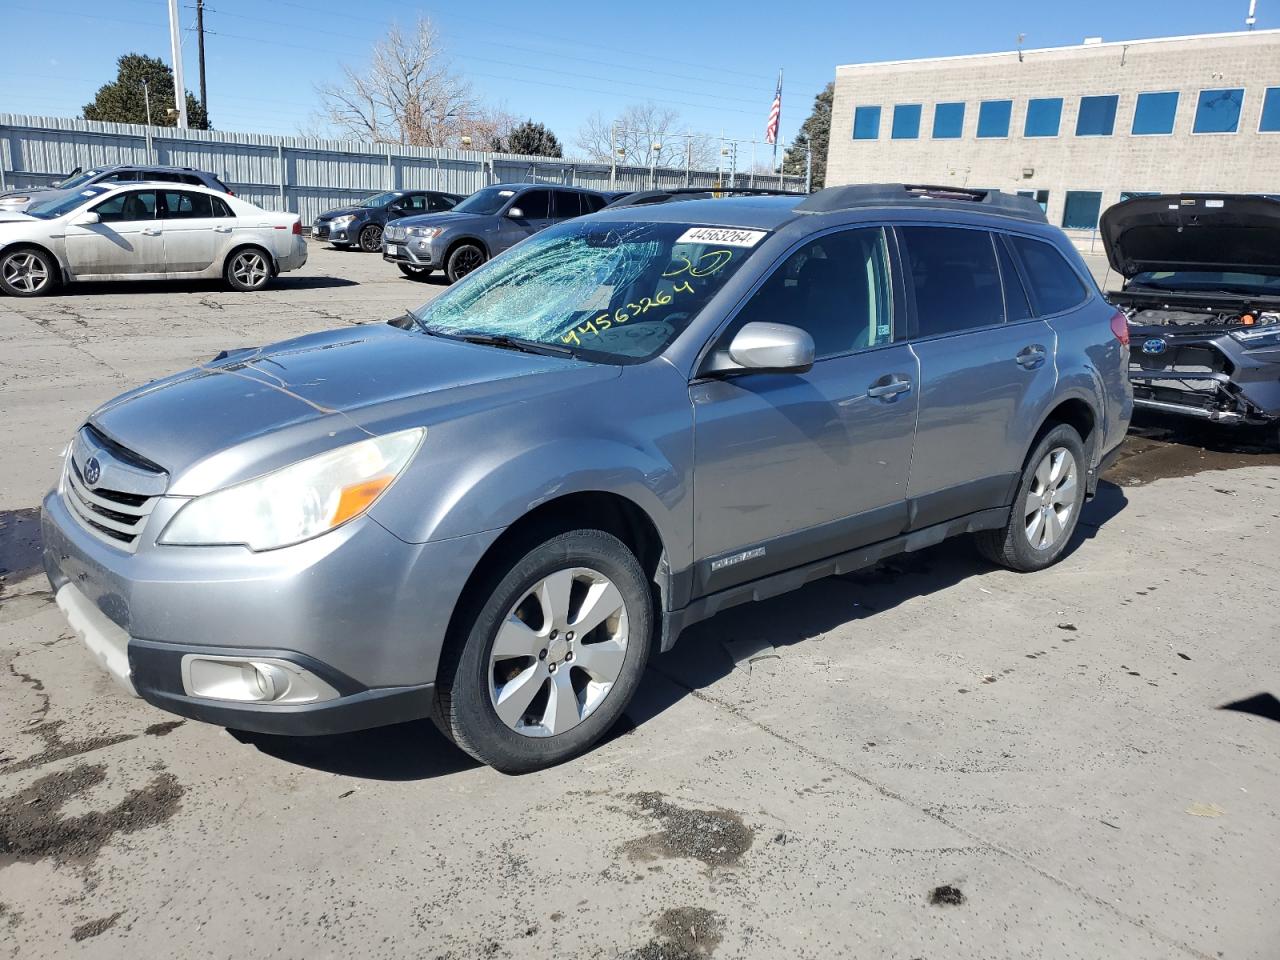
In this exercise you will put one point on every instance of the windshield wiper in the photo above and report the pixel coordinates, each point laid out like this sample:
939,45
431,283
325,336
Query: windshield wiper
506,342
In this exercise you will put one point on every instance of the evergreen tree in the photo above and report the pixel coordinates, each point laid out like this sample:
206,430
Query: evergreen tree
533,139
814,134
122,100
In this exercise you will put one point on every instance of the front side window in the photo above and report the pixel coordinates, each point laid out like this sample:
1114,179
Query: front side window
1218,111
181,205
533,205
568,204
615,291
948,121
866,123
837,288
993,118
1080,212
1154,113
906,121
126,207
1054,285
1097,116
1270,122
1044,116
954,278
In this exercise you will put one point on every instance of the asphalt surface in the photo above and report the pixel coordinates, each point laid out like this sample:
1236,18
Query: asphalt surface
930,759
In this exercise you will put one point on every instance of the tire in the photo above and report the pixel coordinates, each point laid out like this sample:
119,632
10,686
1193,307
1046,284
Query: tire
414,273
248,269
542,704
462,260
371,238
1046,507
27,272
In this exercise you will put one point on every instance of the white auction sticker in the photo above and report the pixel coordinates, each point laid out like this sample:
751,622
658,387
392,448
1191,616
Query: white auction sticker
725,236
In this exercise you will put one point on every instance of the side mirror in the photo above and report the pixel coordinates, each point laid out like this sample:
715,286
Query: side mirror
88,218
765,348
515,213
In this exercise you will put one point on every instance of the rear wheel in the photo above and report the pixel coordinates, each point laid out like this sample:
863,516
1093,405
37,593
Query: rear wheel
248,269
462,260
371,238
1046,507
414,273
550,654
27,273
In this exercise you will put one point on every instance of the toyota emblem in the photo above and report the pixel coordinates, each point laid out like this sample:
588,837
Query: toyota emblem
92,471
1154,347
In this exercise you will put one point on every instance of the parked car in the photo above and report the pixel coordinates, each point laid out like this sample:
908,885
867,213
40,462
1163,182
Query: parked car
481,226
484,511
146,231
1202,293
362,223
19,200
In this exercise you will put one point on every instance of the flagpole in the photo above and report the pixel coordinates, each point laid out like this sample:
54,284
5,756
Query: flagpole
779,133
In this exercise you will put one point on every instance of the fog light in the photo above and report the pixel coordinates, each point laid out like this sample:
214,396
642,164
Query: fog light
252,680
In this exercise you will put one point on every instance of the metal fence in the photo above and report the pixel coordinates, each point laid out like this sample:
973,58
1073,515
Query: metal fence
307,175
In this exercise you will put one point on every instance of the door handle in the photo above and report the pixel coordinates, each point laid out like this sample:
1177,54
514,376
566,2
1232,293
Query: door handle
219,228
1031,357
886,388
151,231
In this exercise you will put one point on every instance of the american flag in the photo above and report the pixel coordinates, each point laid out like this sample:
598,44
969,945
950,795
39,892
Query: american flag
775,115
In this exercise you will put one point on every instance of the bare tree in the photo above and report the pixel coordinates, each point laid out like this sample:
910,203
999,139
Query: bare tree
407,94
636,131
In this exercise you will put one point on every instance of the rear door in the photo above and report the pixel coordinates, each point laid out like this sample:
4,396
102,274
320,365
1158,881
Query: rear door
190,237
127,240
986,370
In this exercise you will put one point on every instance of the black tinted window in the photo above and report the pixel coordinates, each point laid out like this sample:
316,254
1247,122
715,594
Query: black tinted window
1054,285
417,202
593,202
123,207
535,204
180,205
1016,305
837,288
955,279
568,204
438,201
220,208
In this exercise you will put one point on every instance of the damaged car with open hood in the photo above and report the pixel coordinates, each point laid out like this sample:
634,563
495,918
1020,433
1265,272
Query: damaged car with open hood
1202,295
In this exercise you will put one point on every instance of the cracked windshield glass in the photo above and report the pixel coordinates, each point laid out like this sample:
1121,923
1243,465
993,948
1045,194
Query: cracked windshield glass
618,292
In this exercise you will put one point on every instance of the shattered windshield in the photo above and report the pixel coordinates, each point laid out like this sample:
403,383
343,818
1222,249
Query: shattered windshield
614,291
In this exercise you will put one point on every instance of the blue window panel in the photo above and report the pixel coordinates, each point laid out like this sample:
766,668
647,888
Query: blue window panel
1155,113
1081,209
1130,194
1097,116
948,121
1044,116
866,123
1218,111
906,121
993,118
1270,111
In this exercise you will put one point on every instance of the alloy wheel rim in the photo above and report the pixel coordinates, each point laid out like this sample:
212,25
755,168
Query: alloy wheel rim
1051,500
466,261
558,652
371,238
25,272
250,269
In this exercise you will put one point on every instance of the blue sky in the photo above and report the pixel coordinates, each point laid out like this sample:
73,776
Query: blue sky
710,60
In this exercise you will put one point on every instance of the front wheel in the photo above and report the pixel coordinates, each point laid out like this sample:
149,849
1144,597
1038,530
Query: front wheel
27,273
371,238
248,270
550,654
414,273
1046,507
462,261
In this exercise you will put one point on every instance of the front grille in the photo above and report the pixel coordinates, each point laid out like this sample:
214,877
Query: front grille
320,230
1188,358
116,516
395,233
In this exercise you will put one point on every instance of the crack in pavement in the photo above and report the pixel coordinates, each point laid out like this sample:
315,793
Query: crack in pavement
978,838
74,343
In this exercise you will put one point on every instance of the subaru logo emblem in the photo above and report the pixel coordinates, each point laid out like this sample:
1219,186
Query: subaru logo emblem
1154,346
92,471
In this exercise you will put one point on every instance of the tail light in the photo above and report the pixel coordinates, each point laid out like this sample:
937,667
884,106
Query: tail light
1120,327
230,192
297,232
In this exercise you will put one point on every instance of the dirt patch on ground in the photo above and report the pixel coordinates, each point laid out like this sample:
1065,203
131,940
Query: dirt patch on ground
55,748
682,933
946,896
95,927
32,827
163,729
717,837
1158,448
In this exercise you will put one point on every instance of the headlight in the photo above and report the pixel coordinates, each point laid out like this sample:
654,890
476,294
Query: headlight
299,501
424,233
343,220
1259,337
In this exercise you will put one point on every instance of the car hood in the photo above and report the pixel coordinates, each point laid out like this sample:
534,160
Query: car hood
15,216
257,409
437,219
342,212
1212,232
30,192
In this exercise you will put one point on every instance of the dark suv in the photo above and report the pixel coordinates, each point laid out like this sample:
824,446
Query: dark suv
19,200
362,223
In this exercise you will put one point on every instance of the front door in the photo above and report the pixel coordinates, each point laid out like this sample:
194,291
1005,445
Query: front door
127,240
192,233
792,468
534,207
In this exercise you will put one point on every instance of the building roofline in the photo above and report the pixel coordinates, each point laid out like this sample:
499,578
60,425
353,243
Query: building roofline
1273,32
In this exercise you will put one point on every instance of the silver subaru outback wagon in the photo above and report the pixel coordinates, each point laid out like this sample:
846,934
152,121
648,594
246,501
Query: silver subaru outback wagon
494,509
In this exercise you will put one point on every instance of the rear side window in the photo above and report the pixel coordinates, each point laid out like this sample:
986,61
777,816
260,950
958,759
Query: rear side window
596,202
954,278
438,201
1054,285
220,208
1016,305
180,205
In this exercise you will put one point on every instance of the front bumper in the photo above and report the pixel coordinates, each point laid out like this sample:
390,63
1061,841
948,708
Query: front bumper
1206,377
412,251
325,230
358,609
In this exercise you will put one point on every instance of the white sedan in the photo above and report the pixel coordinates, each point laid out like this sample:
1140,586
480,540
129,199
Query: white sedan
146,231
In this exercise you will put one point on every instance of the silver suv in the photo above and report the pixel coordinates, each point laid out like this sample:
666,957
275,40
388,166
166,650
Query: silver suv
480,227
494,509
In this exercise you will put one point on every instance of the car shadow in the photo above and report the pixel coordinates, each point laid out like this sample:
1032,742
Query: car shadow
1263,705
285,282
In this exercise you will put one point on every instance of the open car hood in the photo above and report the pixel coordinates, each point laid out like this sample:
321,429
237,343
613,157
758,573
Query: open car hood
1203,231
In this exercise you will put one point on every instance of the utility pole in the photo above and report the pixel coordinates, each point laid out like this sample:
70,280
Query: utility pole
204,96
175,47
808,168
146,99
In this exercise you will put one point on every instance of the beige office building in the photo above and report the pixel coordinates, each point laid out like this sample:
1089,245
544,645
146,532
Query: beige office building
1079,128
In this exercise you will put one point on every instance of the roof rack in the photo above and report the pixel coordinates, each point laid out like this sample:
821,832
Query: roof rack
894,194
